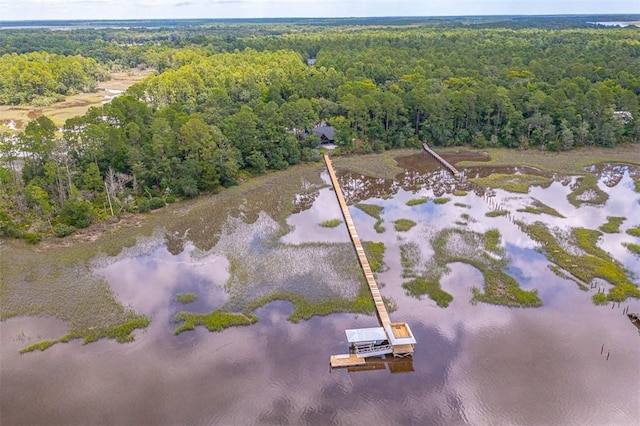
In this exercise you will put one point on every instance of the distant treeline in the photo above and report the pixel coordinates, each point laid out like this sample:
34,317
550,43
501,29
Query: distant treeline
214,115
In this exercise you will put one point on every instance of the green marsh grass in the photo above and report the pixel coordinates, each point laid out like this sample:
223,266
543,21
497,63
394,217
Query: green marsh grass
403,225
594,263
463,205
459,193
633,248
455,245
560,273
417,201
375,255
588,192
613,224
419,286
538,207
441,200
186,297
497,213
635,231
492,240
217,320
331,223
375,212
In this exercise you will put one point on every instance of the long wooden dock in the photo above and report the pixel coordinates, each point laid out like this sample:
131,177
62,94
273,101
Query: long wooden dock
383,315
442,161
399,338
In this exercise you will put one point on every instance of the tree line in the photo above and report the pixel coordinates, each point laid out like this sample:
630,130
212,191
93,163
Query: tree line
212,116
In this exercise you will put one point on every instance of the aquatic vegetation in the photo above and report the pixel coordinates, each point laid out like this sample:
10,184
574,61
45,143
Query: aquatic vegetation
419,286
386,196
375,255
613,224
593,263
463,205
122,333
403,225
635,232
562,274
600,299
409,258
305,309
441,200
217,320
417,201
186,297
538,207
633,248
492,241
41,346
459,193
331,223
375,212
455,245
513,183
496,213
588,192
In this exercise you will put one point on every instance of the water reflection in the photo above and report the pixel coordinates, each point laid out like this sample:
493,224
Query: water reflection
477,364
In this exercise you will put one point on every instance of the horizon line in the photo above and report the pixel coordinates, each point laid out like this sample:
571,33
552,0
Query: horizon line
323,17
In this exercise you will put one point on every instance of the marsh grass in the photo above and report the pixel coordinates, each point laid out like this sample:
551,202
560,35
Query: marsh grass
420,286
459,193
492,240
594,263
417,201
463,205
588,192
331,223
375,255
569,163
409,259
441,200
186,297
613,224
560,273
58,279
635,231
455,245
497,213
305,309
633,248
403,225
217,320
600,299
375,212
122,333
512,183
538,207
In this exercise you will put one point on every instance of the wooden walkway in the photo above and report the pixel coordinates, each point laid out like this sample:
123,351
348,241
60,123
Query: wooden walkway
442,161
383,315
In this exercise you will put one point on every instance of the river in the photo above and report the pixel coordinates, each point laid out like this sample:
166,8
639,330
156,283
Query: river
567,362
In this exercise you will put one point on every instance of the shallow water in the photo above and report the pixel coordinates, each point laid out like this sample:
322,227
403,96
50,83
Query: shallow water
474,364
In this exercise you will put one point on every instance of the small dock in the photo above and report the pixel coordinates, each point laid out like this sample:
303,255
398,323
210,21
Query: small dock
441,160
398,336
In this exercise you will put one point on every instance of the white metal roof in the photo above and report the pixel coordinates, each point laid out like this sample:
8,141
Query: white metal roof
365,334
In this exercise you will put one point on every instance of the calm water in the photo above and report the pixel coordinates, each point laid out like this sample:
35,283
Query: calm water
474,364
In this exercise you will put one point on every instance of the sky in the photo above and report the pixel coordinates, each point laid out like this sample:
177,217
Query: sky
16,10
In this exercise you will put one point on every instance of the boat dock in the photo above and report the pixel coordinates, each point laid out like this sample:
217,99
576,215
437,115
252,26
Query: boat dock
442,161
395,338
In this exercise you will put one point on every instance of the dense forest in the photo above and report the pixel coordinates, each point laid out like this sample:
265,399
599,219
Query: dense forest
223,106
